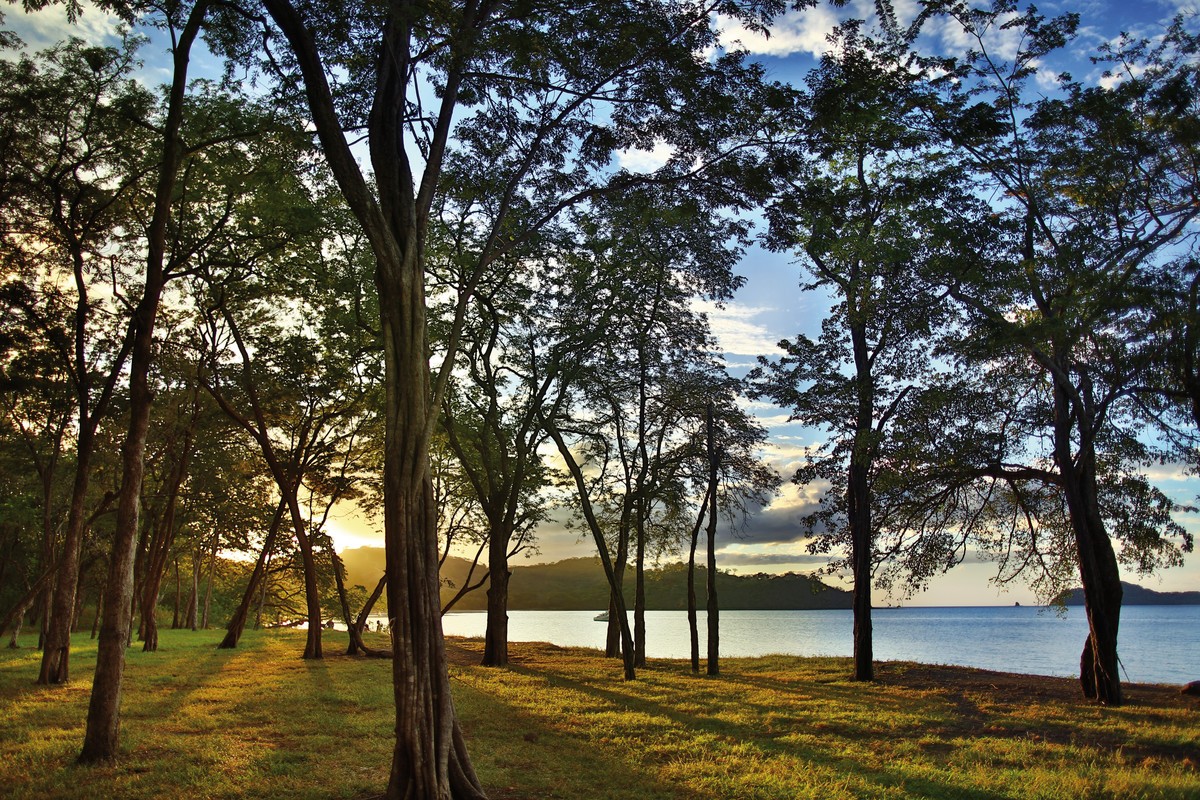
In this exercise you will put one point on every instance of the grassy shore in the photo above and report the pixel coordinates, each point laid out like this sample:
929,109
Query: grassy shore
259,722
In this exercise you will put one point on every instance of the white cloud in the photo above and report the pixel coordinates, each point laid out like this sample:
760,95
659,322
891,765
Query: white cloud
47,27
736,329
794,32
645,160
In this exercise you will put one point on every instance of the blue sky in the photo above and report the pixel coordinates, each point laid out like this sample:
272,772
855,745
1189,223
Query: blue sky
770,306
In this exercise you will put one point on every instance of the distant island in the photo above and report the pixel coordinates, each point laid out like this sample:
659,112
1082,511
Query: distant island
578,584
1134,595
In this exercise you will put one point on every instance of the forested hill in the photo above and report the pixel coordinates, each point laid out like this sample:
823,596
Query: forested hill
1135,595
579,584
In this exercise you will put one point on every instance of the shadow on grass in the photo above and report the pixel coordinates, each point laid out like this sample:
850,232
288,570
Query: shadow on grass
908,734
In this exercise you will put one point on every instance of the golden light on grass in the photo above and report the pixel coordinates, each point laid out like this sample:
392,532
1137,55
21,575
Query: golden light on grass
260,722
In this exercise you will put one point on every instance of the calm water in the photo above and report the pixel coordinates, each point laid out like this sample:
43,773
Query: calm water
1158,644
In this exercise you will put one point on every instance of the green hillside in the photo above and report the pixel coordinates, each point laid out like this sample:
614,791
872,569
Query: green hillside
1134,595
579,584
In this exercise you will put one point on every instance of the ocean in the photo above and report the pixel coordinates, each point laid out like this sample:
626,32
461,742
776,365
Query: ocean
1157,644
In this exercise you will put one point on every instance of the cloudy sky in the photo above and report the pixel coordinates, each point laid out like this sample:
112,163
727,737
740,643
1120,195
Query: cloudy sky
771,307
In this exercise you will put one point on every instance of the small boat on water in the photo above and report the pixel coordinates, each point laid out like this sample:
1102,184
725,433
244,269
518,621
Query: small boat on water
601,617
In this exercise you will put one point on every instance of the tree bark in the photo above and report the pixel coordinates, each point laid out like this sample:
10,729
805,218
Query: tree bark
495,642
56,649
212,576
693,623
237,623
859,513
353,632
714,609
1098,571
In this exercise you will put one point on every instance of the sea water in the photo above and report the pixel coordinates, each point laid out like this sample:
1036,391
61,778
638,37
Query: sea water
1157,644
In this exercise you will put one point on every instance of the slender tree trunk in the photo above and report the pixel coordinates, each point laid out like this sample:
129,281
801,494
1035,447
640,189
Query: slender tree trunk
614,647
312,642
363,615
352,630
178,596
103,723
212,575
858,503
693,623
714,627
639,590
194,593
13,643
237,623
46,597
96,619
610,571
262,594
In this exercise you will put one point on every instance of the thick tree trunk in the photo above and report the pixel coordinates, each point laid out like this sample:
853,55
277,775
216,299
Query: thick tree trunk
1098,571
100,741
56,649
237,623
429,759
312,598
859,512
495,641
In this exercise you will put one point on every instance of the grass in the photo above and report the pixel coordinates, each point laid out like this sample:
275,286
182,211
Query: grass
559,723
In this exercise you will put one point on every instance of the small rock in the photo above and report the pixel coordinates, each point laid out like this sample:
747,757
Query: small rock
1192,689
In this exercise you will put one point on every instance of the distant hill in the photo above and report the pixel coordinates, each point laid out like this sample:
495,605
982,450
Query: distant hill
579,584
1135,595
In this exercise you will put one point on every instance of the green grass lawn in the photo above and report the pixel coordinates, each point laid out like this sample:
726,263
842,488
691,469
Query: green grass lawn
559,723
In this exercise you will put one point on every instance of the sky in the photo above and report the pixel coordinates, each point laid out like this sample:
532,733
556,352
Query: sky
771,307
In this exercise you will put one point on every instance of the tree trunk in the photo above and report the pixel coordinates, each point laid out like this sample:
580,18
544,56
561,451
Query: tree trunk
859,512
495,642
212,576
194,594
178,596
639,591
56,650
262,594
352,630
312,642
613,647
693,623
237,623
1098,571
361,621
714,638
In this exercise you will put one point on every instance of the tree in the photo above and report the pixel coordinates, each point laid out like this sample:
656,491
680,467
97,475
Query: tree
870,204
564,88
72,184
1097,185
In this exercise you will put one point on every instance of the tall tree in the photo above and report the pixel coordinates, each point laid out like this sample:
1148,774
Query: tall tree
1097,183
71,187
870,204
555,91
